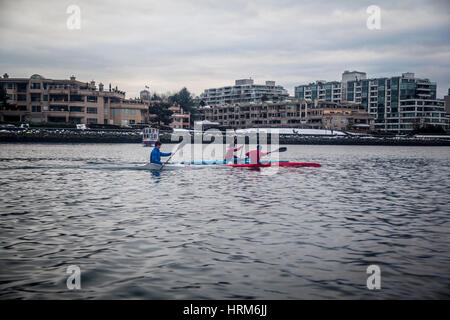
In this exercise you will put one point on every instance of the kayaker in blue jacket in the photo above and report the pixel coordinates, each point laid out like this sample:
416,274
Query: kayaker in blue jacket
155,156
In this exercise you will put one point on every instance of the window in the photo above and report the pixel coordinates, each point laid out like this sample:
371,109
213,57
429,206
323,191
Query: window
35,86
77,98
36,109
76,109
22,87
91,99
92,110
75,120
35,97
91,120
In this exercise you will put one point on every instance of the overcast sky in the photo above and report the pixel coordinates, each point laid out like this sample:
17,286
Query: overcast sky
204,44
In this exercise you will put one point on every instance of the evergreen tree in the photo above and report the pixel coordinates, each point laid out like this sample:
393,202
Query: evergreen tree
163,114
185,100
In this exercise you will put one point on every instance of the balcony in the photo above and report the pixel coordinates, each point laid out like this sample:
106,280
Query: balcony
58,109
58,91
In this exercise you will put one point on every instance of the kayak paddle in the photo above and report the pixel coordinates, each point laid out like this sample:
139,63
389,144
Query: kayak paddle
178,148
282,149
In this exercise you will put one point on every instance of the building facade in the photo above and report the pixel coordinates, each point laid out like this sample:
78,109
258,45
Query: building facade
295,114
333,91
244,91
37,99
399,104
338,116
447,103
447,107
180,118
320,90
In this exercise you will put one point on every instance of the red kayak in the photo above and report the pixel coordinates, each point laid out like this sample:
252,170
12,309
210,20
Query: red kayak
281,164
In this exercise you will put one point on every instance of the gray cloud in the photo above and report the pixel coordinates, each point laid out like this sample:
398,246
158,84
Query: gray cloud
202,44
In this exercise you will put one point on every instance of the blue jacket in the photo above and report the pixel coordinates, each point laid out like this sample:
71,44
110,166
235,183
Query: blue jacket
155,156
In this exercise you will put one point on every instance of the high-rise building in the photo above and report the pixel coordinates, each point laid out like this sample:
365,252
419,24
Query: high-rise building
350,76
399,104
447,103
333,91
38,99
320,90
353,76
244,91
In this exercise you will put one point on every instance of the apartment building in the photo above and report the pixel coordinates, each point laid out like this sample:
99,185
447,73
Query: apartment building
38,99
399,104
244,91
320,90
334,91
338,116
447,103
180,118
294,114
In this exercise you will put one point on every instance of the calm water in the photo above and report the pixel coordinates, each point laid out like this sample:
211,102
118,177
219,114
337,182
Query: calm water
224,233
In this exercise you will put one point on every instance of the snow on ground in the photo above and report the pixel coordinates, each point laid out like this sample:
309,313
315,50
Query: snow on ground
316,132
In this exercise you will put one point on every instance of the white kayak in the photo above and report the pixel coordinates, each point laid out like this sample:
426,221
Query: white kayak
169,166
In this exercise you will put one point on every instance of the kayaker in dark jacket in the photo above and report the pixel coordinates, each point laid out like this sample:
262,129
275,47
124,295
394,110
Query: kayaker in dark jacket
155,156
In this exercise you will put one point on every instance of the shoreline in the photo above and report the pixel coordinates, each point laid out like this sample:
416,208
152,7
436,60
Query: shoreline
69,136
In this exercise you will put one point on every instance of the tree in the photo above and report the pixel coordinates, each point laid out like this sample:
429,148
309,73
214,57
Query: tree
3,98
185,100
163,114
156,97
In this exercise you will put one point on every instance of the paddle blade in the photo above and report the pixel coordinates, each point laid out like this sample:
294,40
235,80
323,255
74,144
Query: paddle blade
282,149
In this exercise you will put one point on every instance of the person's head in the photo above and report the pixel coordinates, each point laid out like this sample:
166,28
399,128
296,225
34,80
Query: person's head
259,147
158,144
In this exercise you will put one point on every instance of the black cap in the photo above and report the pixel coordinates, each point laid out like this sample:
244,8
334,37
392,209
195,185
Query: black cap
157,143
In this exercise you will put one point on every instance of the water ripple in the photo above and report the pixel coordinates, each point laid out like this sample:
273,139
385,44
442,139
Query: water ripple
224,234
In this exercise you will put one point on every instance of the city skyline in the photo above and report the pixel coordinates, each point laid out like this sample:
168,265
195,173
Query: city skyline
205,45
